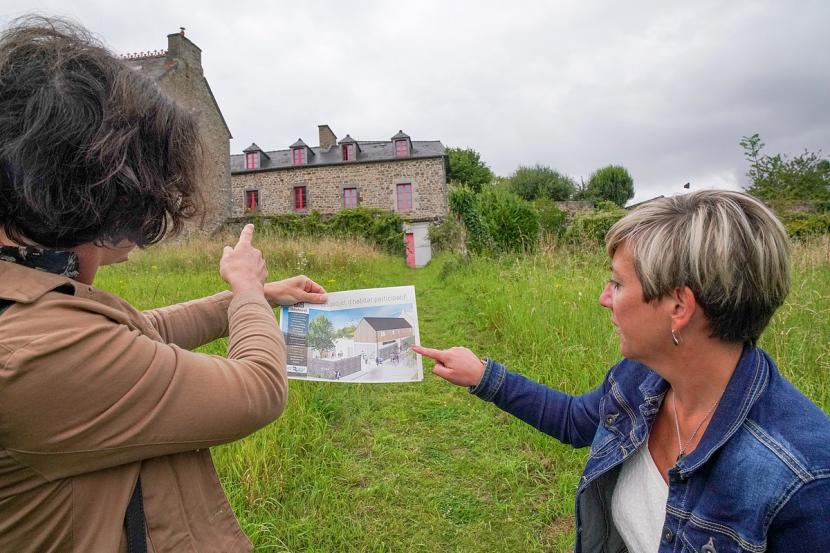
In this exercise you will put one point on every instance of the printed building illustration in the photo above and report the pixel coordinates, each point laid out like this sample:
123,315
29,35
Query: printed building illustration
382,337
398,174
178,72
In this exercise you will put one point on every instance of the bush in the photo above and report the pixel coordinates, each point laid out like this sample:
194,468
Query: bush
383,228
612,183
592,227
447,236
463,202
541,181
801,225
377,226
511,223
552,220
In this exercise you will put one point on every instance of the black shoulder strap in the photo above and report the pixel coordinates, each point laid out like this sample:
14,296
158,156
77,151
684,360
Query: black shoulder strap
5,304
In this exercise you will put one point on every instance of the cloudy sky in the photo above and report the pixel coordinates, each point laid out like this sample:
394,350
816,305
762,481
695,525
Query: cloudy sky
666,89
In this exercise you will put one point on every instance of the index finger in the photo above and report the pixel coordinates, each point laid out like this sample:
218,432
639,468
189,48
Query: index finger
247,235
437,354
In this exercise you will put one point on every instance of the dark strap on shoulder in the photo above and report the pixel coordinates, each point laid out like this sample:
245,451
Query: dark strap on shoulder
5,304
134,522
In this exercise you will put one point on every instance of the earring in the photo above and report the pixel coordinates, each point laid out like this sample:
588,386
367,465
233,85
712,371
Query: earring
675,337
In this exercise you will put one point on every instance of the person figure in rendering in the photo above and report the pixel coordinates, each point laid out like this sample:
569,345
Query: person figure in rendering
106,415
697,441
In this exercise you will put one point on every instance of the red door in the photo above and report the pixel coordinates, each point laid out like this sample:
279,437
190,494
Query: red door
410,249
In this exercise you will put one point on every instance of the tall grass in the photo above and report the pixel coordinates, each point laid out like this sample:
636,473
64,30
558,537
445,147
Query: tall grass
426,467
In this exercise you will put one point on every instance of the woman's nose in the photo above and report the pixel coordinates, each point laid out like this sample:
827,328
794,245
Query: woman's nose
605,296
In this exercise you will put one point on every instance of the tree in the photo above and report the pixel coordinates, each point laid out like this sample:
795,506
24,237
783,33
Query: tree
540,181
465,166
321,334
781,178
612,183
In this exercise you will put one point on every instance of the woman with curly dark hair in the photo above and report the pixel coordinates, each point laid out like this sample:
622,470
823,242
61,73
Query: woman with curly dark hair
106,415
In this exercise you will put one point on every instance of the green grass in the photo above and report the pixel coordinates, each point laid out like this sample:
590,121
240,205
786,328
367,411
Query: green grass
427,467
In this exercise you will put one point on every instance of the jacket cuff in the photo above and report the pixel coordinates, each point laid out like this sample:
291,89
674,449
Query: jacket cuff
491,381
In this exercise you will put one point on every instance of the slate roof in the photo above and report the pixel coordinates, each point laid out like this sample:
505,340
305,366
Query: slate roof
369,151
387,323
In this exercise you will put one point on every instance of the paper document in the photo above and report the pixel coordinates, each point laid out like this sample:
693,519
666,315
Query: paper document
356,336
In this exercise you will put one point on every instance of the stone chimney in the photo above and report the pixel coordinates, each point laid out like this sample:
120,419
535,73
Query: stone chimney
327,138
179,47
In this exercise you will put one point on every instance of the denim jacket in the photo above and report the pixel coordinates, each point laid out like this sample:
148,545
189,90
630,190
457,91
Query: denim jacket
759,480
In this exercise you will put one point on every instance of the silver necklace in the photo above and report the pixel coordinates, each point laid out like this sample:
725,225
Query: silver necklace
680,443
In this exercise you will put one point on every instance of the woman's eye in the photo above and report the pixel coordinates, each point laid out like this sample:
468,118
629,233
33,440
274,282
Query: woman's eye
614,284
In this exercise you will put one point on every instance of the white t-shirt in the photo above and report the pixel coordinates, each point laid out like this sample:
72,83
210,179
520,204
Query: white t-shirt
639,502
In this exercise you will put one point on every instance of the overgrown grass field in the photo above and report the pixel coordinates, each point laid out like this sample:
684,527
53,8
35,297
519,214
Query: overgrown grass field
425,466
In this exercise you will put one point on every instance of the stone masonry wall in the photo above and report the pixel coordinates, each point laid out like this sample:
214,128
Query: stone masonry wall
375,181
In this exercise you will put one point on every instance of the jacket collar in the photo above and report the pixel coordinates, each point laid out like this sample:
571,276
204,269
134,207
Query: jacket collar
747,384
25,285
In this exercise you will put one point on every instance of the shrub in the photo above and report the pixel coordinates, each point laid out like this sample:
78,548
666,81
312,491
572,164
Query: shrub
463,202
800,225
447,236
384,228
612,183
510,222
541,181
552,220
592,227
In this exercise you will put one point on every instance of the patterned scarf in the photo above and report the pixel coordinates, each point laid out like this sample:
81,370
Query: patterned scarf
59,262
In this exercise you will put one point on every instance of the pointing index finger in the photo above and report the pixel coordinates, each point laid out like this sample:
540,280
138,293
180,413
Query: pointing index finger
247,235
436,354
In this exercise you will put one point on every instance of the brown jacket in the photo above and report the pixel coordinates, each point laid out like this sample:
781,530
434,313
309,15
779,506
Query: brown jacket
94,393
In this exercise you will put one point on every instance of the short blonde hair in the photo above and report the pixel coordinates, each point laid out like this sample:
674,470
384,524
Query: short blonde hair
727,247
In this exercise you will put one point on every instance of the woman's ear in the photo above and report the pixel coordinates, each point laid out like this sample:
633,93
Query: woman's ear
683,307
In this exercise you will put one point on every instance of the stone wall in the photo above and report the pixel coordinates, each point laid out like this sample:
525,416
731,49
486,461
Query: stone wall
375,182
181,78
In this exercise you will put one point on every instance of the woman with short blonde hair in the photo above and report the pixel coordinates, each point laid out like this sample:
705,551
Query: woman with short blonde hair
697,441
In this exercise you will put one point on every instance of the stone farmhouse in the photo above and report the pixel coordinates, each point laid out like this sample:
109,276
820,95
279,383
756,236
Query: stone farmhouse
398,174
178,72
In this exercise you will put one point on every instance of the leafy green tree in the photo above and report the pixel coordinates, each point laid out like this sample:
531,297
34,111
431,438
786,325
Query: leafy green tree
540,181
321,334
781,179
466,167
612,183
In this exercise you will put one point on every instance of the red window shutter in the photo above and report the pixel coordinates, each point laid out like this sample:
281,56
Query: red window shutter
350,197
252,200
404,197
300,200
251,160
400,148
299,156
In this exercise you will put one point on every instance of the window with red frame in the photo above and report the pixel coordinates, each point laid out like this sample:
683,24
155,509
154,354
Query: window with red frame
252,200
252,160
404,197
401,148
350,197
300,198
299,156
348,152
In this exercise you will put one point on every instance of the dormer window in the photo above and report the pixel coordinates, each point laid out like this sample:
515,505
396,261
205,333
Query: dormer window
349,149
401,148
254,157
300,153
347,152
299,156
402,144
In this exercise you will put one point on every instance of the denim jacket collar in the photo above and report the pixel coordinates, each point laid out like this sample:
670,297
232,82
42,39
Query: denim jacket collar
747,384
